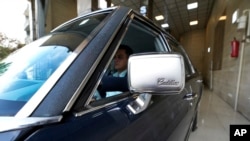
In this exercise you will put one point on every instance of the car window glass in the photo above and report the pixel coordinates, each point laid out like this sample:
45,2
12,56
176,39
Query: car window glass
25,71
83,26
140,39
177,48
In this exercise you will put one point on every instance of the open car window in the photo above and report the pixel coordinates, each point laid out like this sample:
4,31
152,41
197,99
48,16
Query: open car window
189,70
141,39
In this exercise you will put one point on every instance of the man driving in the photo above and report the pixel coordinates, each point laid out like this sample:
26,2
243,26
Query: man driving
116,81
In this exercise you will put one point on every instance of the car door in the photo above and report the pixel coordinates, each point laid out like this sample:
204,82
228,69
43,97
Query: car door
192,92
157,120
114,117
119,117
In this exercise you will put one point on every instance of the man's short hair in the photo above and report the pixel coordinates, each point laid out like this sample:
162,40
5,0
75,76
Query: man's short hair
127,49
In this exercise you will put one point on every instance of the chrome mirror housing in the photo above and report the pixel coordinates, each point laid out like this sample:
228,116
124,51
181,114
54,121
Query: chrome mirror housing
156,73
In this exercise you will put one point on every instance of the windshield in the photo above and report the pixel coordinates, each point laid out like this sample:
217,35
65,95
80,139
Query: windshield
23,72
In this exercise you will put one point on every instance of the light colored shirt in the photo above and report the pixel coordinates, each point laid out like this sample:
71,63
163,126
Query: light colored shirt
116,74
111,93
121,74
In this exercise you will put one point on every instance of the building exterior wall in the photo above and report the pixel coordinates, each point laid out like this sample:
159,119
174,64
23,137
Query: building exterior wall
224,81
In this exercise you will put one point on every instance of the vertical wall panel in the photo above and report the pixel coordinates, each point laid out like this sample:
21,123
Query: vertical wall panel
194,42
225,80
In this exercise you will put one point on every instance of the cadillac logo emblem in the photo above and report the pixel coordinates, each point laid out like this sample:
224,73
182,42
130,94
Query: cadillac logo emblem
163,81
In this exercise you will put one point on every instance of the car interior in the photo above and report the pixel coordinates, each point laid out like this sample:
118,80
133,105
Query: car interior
147,40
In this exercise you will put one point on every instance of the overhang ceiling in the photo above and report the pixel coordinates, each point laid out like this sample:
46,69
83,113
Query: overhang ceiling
175,13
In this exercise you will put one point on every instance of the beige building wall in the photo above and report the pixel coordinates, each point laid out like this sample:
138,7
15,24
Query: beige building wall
60,11
224,81
194,43
220,71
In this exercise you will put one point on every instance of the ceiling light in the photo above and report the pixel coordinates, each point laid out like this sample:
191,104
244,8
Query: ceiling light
192,5
223,18
165,25
158,18
193,23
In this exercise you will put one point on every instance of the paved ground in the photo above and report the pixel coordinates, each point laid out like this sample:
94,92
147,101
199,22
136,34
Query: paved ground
215,116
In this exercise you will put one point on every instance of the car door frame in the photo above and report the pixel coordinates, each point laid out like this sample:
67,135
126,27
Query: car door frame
71,85
112,48
81,109
105,105
70,113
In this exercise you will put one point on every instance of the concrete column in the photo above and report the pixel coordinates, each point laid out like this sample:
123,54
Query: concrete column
84,6
108,3
150,9
146,8
39,18
94,5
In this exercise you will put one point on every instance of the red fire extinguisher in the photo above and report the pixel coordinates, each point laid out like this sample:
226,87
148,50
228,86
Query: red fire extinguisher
235,48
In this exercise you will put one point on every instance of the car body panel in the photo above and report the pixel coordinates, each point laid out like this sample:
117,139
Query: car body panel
70,96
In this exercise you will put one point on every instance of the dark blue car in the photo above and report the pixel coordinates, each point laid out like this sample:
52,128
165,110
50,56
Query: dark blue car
49,88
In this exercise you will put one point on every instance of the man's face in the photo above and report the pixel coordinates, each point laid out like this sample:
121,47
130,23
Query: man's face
121,60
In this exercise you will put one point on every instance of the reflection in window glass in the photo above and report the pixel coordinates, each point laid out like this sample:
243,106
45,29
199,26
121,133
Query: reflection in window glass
23,72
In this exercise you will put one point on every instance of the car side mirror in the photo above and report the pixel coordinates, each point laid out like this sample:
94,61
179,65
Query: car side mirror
156,73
